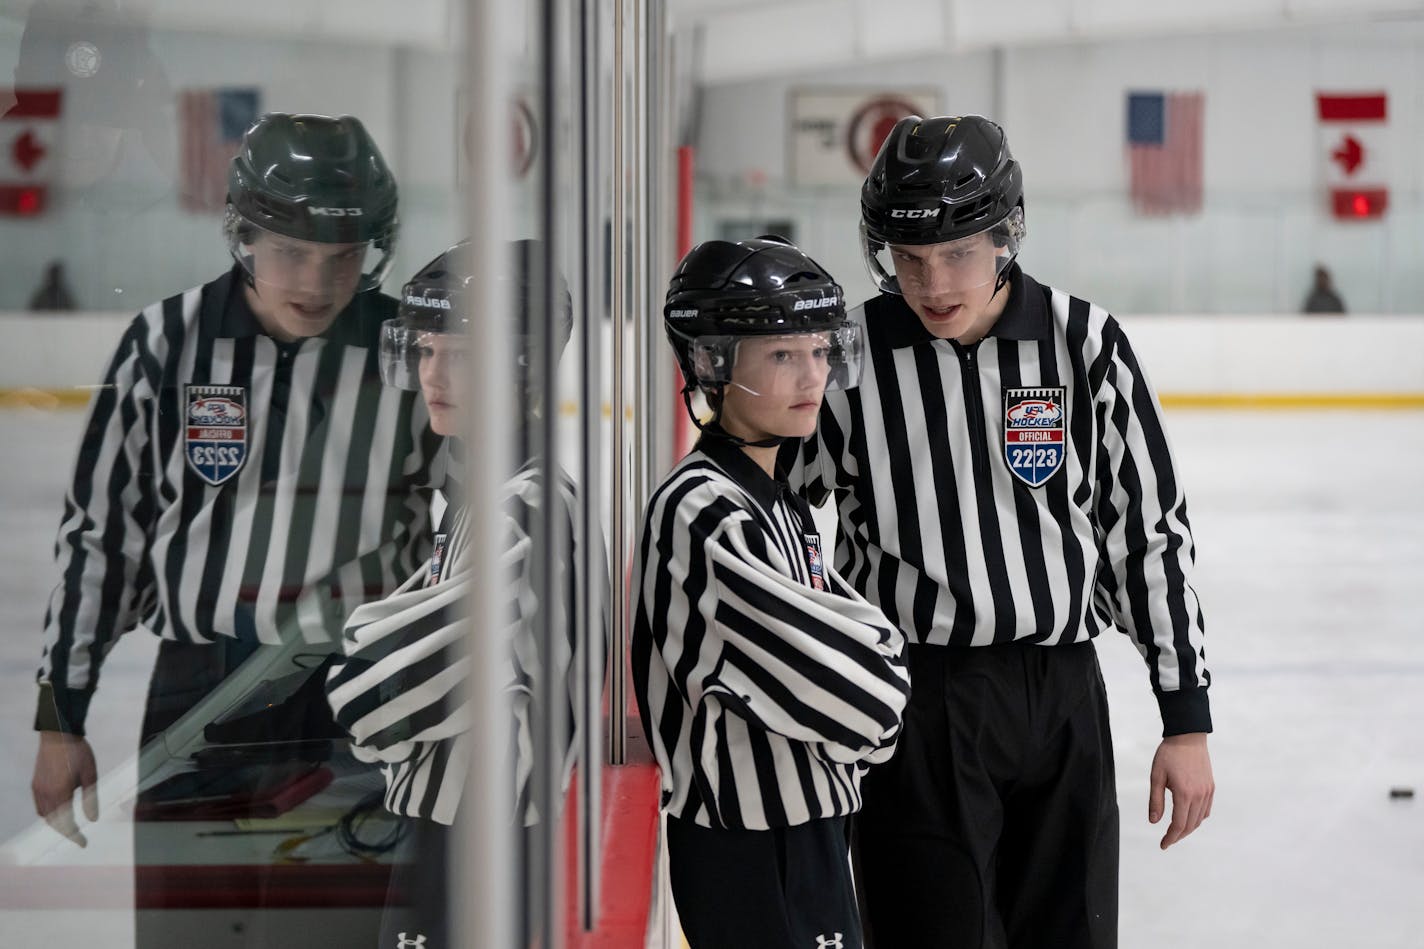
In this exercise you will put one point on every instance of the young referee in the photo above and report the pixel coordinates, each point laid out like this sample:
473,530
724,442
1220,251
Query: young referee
1005,493
766,686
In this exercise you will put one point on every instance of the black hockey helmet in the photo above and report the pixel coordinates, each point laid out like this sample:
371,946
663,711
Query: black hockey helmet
314,178
439,299
723,292
939,180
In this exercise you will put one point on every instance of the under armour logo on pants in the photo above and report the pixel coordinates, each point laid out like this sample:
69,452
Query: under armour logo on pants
833,943
419,941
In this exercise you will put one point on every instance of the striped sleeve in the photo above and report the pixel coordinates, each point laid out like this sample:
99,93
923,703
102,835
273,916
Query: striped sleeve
101,551
403,668
401,690
798,662
1141,511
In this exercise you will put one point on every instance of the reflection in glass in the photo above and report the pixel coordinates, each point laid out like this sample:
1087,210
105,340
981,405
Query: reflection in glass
244,481
402,690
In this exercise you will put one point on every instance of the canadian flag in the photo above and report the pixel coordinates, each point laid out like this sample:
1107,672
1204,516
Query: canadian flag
28,135
1352,138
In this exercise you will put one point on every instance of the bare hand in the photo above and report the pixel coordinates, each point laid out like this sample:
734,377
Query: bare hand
1182,766
64,764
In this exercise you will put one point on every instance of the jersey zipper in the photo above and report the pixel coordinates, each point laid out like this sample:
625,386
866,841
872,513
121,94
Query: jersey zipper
973,406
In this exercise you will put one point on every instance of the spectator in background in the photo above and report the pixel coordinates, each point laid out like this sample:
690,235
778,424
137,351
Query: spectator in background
54,293
1323,298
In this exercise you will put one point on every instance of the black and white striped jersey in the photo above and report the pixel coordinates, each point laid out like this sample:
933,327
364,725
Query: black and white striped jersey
401,691
1020,489
765,684
231,485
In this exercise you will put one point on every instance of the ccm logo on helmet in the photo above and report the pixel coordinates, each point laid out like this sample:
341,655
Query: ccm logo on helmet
433,302
915,212
814,304
336,212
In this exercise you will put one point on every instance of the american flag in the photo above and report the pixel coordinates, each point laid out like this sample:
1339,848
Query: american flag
213,122
1164,151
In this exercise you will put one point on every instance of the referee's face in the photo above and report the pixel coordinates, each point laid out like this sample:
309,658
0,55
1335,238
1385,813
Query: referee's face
444,359
950,286
777,385
302,286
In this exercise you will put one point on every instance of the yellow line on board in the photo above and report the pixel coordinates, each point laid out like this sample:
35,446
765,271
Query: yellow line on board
28,398
77,397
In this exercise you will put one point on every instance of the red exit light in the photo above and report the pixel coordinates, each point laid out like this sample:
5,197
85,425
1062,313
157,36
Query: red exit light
1359,205
22,200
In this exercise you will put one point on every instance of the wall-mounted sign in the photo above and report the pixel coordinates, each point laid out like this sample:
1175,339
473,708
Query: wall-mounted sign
28,137
1353,128
835,133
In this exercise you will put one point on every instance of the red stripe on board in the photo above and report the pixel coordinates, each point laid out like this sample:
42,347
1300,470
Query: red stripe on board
1365,108
35,104
628,860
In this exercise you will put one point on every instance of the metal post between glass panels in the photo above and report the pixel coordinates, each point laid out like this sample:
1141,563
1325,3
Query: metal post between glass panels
485,915
618,253
546,903
592,575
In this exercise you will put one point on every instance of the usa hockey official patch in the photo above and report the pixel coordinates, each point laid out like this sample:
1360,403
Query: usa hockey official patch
1035,432
437,558
813,561
215,438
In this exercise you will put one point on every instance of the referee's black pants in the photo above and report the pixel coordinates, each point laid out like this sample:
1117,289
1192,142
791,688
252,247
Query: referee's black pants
995,826
784,888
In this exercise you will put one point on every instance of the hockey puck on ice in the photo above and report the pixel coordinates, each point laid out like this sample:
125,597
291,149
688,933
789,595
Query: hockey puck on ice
1401,794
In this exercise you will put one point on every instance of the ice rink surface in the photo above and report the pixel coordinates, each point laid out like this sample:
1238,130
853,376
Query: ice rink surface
1310,555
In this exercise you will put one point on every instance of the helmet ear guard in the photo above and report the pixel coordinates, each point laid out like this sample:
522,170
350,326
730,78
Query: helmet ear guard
1014,231
399,356
711,365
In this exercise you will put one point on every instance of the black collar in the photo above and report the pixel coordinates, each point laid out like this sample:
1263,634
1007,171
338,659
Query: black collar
747,473
226,314
1025,316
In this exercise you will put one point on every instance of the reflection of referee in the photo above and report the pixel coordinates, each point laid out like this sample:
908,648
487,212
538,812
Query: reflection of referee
244,477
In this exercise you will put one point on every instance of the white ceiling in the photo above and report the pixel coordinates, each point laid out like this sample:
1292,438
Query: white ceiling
743,39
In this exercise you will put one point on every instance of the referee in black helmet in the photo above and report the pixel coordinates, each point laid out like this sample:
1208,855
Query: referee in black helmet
244,479
766,686
1005,493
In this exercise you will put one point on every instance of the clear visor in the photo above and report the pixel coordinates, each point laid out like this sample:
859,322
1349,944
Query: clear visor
322,272
948,267
781,365
403,349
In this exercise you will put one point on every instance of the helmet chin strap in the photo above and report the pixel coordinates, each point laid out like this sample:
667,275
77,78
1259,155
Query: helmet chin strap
1003,277
715,430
